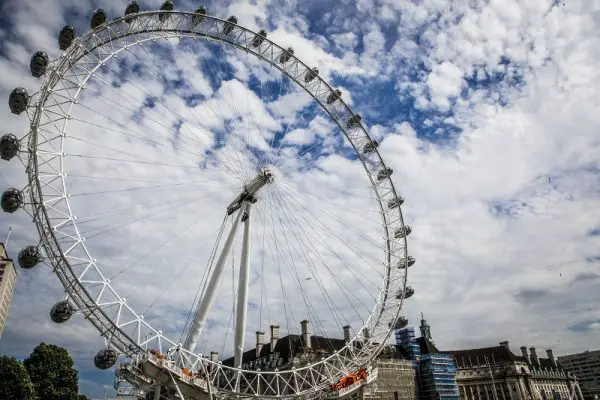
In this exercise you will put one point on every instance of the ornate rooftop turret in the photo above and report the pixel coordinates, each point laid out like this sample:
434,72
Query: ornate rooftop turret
425,329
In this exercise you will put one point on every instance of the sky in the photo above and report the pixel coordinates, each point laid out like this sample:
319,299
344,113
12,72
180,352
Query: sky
485,110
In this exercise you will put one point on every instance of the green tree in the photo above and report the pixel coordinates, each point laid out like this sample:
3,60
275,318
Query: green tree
82,397
16,383
51,371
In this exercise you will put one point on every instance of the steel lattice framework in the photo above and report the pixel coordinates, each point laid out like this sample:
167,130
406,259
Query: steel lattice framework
64,246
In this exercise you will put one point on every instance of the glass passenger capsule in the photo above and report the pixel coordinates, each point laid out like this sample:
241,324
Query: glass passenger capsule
198,15
98,18
166,6
286,55
402,232
17,101
410,261
9,146
229,25
397,202
105,359
29,257
61,312
384,173
353,121
311,74
334,96
408,292
66,37
38,64
259,38
11,200
370,147
132,8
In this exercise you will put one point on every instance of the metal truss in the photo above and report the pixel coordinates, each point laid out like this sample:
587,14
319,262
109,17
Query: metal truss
64,246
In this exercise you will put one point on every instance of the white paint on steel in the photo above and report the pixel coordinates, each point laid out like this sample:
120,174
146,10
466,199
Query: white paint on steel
211,290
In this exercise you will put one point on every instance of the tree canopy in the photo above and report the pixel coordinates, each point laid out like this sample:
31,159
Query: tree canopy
16,383
50,368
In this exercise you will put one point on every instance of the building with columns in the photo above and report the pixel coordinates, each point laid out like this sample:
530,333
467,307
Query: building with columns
496,373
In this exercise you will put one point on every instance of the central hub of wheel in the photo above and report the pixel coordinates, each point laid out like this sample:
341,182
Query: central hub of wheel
264,176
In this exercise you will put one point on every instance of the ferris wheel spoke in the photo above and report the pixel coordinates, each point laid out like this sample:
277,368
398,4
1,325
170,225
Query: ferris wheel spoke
90,234
310,246
131,189
288,259
204,282
276,157
128,134
326,198
132,112
347,292
145,162
365,257
263,301
172,202
182,268
155,248
311,198
220,115
300,255
115,179
287,309
254,128
129,112
150,95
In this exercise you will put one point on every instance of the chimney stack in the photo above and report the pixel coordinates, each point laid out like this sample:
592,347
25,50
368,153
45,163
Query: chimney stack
260,341
305,334
214,357
551,357
366,334
505,345
346,333
274,336
524,353
534,358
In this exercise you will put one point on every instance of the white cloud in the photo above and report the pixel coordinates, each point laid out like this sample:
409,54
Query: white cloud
445,83
500,211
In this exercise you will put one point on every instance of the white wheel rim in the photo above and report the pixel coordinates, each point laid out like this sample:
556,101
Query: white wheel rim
128,332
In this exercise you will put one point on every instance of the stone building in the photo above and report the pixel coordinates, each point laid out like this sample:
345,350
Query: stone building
8,277
395,377
586,367
496,373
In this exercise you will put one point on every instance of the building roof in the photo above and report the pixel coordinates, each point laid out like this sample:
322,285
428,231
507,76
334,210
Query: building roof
496,354
484,355
426,346
289,345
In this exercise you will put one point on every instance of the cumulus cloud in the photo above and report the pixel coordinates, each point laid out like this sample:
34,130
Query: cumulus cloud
488,120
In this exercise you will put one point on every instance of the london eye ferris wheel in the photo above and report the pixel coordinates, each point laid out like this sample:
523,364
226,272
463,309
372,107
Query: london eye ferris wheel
192,181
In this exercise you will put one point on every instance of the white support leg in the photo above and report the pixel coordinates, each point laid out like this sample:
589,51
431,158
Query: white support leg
242,300
176,386
211,290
